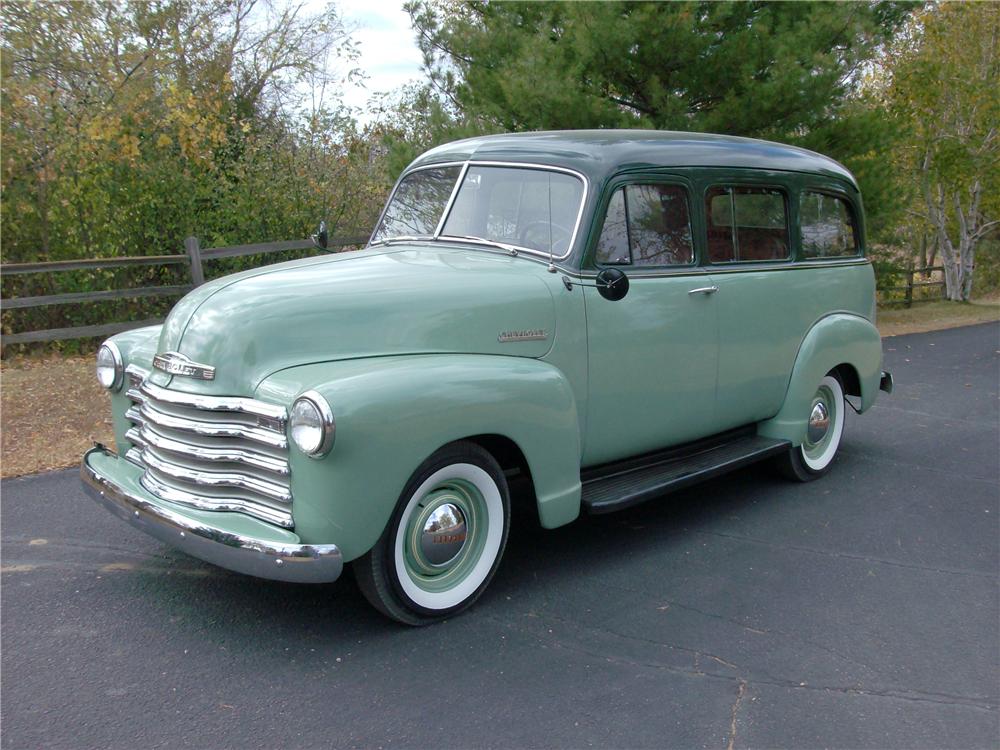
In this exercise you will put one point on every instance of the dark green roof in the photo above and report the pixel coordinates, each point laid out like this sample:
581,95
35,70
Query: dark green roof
598,153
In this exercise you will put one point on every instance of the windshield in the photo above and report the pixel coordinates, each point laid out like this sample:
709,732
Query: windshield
533,209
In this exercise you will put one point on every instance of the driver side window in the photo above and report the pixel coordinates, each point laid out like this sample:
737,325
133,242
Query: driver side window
647,225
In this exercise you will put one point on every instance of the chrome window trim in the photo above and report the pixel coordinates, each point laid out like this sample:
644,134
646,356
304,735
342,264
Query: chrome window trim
536,166
451,200
236,404
407,173
454,195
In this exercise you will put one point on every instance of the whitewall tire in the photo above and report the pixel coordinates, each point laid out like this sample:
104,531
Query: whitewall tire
444,541
824,430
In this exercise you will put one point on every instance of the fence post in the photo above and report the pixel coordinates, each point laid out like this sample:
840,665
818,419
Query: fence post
193,249
909,288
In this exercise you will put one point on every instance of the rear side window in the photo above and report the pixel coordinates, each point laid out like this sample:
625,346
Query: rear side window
746,224
647,225
828,229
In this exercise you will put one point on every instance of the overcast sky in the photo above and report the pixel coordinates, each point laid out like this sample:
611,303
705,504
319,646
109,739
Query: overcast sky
389,54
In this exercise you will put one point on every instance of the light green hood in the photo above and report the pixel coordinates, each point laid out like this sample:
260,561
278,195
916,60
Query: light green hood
411,299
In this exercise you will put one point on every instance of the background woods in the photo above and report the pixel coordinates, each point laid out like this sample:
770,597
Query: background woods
128,126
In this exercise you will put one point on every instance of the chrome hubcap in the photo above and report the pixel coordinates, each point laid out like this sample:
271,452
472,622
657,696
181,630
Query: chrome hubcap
443,535
819,423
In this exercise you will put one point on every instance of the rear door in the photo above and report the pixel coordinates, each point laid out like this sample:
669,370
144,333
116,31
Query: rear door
761,297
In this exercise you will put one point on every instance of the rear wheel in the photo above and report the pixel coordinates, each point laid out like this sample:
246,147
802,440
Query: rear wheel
444,541
824,430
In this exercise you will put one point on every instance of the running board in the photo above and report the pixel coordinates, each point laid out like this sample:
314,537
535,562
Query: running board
634,485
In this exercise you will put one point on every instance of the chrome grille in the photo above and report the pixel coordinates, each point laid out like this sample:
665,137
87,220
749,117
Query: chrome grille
210,452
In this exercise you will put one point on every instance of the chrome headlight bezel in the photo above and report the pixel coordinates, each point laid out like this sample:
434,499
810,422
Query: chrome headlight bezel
312,406
116,366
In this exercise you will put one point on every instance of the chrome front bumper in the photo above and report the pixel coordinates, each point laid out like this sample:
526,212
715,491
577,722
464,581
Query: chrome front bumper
277,560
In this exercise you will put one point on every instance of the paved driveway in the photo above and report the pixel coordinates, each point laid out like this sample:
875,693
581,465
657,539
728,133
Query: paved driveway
857,611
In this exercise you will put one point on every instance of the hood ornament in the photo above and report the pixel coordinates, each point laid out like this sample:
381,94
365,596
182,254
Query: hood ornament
176,363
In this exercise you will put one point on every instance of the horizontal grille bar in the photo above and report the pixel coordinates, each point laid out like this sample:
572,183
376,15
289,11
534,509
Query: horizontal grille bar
231,404
147,436
148,412
215,478
199,501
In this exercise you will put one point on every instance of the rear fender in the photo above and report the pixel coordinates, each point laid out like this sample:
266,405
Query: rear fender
393,412
837,339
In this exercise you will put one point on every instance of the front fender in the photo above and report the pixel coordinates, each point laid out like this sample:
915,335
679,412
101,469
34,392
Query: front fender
837,339
393,412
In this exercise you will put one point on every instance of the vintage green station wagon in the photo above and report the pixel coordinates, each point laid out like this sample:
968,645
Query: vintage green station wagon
600,317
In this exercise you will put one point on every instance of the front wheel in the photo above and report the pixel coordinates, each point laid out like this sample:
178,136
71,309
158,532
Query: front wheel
824,429
444,541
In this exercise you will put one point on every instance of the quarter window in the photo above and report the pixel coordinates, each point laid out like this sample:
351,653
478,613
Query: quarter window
647,225
827,227
746,224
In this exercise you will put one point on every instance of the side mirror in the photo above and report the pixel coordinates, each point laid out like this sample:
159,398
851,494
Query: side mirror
321,239
612,284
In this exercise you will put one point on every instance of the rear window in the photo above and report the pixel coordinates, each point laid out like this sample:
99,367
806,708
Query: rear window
828,228
746,224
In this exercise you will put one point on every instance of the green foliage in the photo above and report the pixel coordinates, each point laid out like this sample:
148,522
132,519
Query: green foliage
129,126
783,71
940,80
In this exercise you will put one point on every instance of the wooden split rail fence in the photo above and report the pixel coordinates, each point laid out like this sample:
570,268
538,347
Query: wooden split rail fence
912,284
193,257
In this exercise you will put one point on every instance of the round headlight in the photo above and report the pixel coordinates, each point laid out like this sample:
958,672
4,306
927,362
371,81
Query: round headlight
110,367
311,424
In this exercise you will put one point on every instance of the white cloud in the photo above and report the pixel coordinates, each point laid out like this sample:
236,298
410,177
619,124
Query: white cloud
389,54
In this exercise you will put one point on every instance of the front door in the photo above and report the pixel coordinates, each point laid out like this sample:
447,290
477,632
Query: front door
652,355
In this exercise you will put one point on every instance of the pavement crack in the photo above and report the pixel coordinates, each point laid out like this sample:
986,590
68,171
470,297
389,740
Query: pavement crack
765,631
980,703
736,708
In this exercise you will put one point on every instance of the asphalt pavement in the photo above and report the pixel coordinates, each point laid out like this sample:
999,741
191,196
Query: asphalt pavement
857,611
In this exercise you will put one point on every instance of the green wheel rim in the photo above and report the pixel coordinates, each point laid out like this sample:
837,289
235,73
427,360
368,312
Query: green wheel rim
470,502
825,397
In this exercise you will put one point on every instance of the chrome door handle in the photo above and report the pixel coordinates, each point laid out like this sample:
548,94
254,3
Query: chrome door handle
705,290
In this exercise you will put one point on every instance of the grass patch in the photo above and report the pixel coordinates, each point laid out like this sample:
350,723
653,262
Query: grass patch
53,409
934,316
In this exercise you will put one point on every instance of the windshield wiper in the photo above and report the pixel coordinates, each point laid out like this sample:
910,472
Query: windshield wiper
394,240
513,250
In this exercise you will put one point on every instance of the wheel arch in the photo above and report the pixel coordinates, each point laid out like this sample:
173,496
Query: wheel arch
849,378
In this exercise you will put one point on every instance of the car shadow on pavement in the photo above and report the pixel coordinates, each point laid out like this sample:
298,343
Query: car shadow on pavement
538,564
